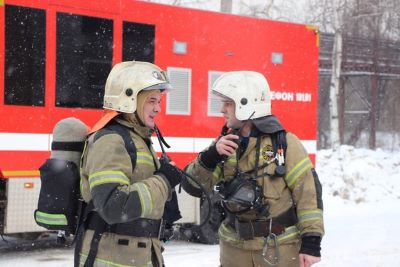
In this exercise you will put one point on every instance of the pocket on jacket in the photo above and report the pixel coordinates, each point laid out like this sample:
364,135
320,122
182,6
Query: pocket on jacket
132,251
119,250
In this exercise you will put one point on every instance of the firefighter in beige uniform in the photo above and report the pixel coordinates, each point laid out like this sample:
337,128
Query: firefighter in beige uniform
130,203
271,193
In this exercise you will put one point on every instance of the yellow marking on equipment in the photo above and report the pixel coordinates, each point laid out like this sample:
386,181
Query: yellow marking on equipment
31,173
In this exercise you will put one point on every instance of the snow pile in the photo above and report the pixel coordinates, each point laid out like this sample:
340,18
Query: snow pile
359,175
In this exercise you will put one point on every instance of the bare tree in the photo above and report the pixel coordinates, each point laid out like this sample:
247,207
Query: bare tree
372,22
329,15
335,77
283,10
382,25
377,22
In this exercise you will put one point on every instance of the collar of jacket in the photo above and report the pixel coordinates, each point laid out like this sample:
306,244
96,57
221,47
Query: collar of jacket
130,121
268,124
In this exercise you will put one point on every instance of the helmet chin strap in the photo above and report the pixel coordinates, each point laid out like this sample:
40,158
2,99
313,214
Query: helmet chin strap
161,140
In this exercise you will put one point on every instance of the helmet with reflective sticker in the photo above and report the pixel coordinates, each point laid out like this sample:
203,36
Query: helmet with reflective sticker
127,79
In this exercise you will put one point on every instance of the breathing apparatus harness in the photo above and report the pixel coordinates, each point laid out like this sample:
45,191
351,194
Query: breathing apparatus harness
242,190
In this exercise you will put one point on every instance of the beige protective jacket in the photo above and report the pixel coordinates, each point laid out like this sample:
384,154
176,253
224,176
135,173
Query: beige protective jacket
121,194
299,187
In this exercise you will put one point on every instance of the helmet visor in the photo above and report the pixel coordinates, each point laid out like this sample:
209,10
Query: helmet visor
164,87
218,96
164,84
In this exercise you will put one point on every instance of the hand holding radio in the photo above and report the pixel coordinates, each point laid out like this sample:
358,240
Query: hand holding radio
227,144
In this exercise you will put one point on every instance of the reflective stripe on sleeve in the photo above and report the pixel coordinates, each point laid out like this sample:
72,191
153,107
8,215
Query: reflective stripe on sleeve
232,160
105,177
218,169
217,172
309,215
146,200
144,158
298,170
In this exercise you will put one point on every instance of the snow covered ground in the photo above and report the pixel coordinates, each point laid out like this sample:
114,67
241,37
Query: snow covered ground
362,217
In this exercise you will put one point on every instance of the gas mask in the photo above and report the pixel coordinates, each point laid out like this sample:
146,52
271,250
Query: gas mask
244,193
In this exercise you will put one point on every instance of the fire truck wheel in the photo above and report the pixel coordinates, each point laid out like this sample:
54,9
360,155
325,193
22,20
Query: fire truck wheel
208,233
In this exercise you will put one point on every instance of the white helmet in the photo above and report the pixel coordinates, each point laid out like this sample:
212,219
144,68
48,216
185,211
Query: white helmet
127,79
249,90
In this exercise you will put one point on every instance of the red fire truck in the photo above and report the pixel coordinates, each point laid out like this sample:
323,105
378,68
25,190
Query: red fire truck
55,56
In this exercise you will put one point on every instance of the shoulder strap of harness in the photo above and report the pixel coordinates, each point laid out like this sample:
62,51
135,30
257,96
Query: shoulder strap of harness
129,144
101,225
123,131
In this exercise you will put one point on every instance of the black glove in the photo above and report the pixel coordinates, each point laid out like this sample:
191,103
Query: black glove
311,245
210,158
171,211
170,172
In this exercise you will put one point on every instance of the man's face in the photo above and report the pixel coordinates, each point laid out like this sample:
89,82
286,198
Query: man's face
151,109
228,110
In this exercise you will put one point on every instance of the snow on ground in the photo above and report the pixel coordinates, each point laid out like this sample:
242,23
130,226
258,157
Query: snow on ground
361,191
359,175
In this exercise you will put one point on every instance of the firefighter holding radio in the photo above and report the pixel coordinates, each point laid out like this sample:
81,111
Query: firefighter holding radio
271,194
122,181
